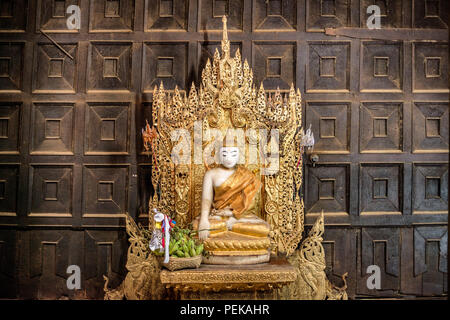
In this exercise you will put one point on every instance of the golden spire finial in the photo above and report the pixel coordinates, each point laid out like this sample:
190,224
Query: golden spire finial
225,42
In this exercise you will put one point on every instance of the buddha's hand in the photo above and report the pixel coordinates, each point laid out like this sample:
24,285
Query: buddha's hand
203,229
226,212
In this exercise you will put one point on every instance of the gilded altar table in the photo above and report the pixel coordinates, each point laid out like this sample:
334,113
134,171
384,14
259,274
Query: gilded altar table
258,281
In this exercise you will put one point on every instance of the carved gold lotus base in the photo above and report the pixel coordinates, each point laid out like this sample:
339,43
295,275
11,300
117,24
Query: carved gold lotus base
256,281
230,244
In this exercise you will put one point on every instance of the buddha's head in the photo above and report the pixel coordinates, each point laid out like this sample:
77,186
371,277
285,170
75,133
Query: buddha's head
229,156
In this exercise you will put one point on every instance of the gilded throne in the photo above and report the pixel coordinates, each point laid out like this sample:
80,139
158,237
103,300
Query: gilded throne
228,99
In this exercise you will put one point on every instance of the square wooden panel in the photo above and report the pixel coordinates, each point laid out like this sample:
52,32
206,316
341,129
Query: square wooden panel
380,247
105,189
327,189
430,127
381,188
430,272
274,64
430,14
430,67
13,15
390,12
329,67
430,188
109,66
11,66
274,15
9,184
8,258
107,128
166,62
56,72
339,246
381,67
381,127
165,15
111,16
330,125
10,127
51,191
52,128
321,14
210,13
51,15
103,256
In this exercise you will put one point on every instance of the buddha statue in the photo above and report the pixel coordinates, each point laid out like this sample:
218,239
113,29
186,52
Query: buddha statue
228,223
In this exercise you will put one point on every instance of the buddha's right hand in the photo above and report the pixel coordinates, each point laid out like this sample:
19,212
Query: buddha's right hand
203,229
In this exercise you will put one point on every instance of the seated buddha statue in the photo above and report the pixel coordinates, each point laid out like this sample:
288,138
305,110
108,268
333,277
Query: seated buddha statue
228,223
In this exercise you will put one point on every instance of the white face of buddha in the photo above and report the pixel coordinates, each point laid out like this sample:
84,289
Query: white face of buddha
229,156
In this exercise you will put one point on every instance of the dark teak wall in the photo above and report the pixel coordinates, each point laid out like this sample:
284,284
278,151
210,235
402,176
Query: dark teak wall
71,161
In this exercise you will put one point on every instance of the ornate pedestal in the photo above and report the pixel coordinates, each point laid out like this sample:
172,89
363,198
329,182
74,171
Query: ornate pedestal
258,281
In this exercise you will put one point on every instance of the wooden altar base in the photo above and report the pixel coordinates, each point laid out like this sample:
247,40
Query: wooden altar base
215,282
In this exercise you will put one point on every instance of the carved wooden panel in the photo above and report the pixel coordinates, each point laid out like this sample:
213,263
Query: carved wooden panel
390,12
380,247
430,122
111,16
166,62
56,72
165,15
9,184
424,262
381,188
10,127
340,245
109,66
51,190
430,67
108,128
103,256
321,14
274,64
328,67
210,13
105,190
381,127
13,15
52,129
274,15
330,125
430,14
51,15
46,255
11,66
328,188
8,274
430,183
381,66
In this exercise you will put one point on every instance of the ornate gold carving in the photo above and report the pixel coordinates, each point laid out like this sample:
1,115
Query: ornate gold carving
211,279
309,260
227,98
142,281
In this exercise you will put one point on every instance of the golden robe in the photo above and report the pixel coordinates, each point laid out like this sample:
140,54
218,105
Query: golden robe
238,192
